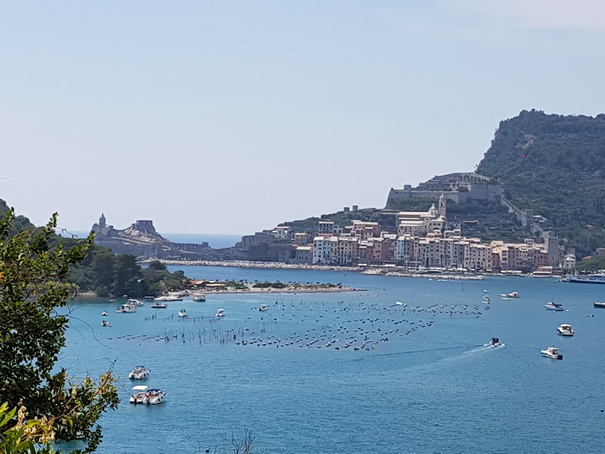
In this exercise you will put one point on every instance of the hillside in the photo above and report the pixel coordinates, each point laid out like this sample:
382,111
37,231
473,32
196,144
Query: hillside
555,166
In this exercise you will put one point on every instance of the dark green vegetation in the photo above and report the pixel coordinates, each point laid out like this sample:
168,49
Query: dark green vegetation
108,274
555,166
593,265
34,286
342,218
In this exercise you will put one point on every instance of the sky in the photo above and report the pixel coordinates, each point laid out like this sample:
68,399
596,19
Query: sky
234,116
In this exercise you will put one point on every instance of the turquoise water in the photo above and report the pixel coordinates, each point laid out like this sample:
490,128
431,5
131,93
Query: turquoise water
418,378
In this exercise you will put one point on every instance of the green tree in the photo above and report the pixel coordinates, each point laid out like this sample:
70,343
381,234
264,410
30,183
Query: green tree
33,285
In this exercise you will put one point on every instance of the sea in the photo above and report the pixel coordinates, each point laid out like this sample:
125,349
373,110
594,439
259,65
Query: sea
400,365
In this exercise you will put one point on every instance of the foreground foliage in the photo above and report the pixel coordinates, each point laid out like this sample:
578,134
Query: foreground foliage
34,268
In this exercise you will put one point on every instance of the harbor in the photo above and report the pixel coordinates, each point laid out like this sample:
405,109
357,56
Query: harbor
403,353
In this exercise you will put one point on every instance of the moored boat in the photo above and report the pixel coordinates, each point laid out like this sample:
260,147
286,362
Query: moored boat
199,297
552,306
182,313
552,352
220,313
139,373
158,305
138,394
263,307
154,396
600,304
565,330
126,308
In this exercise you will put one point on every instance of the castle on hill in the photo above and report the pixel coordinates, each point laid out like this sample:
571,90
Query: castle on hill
458,187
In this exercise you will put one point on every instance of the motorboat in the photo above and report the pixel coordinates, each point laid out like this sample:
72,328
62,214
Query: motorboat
263,307
105,324
135,302
565,330
551,306
199,297
138,394
552,352
104,313
139,373
495,342
127,308
182,313
154,396
600,304
513,295
220,313
486,299
158,305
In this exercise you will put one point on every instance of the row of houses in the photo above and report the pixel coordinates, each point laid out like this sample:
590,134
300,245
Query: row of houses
429,246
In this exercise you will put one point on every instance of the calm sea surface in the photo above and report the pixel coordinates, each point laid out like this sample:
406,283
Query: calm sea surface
415,378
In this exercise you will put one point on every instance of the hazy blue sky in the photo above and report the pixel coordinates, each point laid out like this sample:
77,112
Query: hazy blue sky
233,116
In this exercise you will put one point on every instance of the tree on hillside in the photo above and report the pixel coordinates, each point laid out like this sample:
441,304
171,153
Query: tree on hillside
33,287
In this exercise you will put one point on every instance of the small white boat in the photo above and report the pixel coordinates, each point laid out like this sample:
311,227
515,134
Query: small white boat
510,295
159,305
495,342
220,313
263,307
565,330
138,394
551,306
104,313
486,299
552,352
182,313
199,297
154,396
135,302
139,373
126,308
105,324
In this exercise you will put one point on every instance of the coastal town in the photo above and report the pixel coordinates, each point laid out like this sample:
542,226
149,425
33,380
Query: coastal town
419,240
422,241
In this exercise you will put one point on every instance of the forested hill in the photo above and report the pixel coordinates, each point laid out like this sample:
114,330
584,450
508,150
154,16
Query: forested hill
554,165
